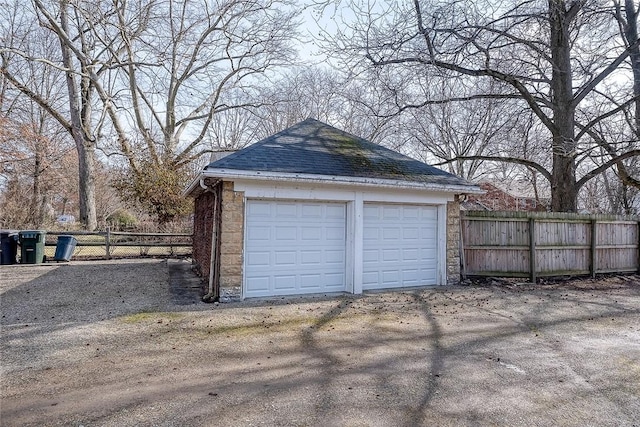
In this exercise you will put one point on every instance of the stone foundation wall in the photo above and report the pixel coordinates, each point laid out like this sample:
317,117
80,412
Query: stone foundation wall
453,242
232,242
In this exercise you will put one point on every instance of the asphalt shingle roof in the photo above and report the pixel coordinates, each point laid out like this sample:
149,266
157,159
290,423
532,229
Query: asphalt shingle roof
313,147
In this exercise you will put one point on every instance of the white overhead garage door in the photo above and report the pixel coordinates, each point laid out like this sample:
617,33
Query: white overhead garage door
400,246
294,247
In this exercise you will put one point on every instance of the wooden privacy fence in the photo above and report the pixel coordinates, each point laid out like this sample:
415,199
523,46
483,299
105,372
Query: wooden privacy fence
534,244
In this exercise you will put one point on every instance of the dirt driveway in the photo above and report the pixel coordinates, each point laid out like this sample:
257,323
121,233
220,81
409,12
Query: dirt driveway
127,343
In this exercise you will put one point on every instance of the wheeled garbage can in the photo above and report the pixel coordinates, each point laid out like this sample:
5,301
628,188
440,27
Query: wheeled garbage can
8,247
32,246
64,248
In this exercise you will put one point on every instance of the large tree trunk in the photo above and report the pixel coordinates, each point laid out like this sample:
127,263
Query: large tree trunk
84,145
631,33
38,201
564,193
87,187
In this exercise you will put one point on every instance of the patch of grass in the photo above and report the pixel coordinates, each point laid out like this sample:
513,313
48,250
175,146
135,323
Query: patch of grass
145,316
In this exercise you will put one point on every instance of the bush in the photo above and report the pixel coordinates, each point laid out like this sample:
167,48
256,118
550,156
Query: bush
122,219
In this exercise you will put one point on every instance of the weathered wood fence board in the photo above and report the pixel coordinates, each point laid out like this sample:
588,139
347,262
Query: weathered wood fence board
532,244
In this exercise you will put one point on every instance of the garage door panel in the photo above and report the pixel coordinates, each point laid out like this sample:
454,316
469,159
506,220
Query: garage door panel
333,257
391,212
260,233
259,209
284,282
410,212
391,233
391,255
259,283
370,278
410,276
284,258
311,211
430,214
259,258
370,211
371,233
335,233
286,233
334,281
308,281
370,255
390,277
428,253
428,233
310,257
305,251
403,251
335,212
311,233
286,210
411,255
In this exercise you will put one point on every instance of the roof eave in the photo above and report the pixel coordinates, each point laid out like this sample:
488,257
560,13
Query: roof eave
324,179
195,184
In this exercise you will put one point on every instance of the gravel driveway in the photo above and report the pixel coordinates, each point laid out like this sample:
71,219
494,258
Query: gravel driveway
127,343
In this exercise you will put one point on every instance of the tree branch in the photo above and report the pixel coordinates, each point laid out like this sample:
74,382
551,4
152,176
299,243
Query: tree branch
515,160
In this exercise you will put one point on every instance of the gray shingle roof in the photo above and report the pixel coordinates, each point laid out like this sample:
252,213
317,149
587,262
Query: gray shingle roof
313,147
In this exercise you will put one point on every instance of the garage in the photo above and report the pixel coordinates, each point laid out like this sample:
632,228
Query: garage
315,210
400,246
294,247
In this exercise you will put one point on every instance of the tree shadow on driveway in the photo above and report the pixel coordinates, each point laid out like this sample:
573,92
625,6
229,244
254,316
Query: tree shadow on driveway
440,356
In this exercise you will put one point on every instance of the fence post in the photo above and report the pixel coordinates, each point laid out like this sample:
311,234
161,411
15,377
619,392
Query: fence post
108,243
638,259
463,264
594,252
532,250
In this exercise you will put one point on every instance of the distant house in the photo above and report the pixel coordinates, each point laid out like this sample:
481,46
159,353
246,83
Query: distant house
497,199
313,209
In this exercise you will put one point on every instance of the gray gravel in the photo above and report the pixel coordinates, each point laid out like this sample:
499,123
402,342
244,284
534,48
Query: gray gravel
127,343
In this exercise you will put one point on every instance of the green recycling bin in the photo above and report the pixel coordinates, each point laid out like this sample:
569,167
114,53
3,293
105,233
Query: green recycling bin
32,246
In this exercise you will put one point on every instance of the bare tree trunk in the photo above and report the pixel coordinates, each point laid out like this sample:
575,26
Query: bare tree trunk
84,145
564,193
87,194
36,214
631,33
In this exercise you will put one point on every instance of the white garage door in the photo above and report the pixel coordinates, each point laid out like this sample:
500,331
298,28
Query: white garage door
400,246
294,247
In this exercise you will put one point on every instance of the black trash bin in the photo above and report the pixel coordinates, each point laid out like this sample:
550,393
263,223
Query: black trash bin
64,248
8,248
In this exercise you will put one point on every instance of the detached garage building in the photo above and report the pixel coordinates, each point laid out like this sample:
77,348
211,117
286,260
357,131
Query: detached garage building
313,209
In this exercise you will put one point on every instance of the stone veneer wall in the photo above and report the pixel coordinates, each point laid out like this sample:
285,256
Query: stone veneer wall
232,242
453,242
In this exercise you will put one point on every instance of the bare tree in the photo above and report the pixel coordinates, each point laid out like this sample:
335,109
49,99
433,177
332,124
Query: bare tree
79,59
325,95
182,64
559,58
145,79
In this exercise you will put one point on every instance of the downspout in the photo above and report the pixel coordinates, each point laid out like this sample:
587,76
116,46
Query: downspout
213,295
